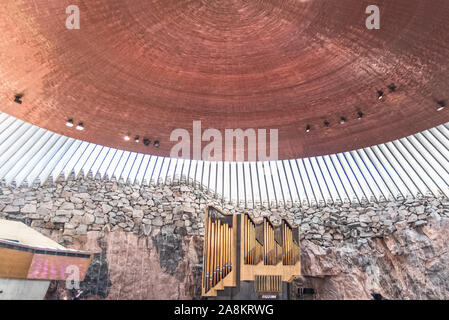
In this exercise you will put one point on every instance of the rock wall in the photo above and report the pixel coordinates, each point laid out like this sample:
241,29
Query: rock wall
407,264
148,240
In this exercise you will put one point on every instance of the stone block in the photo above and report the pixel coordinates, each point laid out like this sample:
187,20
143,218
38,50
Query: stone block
11,209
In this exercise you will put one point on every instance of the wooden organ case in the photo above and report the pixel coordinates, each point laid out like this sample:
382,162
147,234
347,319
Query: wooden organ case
243,259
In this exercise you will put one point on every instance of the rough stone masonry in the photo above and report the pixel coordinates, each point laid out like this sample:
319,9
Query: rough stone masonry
151,236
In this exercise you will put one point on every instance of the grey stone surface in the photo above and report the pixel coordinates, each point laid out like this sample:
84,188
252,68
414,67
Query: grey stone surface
87,204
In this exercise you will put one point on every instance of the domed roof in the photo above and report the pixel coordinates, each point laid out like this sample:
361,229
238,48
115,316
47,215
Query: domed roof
145,68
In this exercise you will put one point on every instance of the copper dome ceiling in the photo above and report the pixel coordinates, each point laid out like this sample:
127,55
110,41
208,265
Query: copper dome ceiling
148,67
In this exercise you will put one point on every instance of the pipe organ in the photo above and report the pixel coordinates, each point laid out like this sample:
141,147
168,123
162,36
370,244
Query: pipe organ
219,254
245,259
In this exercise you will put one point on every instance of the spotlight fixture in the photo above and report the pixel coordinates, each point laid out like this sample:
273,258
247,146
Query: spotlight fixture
392,88
156,143
308,128
342,120
359,115
326,124
441,105
126,138
80,126
146,141
380,94
18,98
137,139
69,123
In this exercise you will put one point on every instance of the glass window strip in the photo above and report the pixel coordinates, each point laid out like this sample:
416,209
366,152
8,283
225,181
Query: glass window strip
411,165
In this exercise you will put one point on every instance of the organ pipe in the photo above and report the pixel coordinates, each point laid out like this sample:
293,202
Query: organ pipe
261,244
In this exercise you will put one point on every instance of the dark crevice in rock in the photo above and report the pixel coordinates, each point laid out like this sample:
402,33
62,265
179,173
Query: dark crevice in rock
97,281
169,248
147,245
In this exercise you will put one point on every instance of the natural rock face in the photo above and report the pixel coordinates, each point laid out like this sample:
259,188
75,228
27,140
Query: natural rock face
407,264
148,240
137,270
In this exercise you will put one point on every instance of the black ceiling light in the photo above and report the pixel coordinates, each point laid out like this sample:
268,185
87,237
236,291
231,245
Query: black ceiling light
80,126
18,98
326,124
69,123
441,105
342,120
380,94
392,88
308,128
146,141
156,143
359,115
137,139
